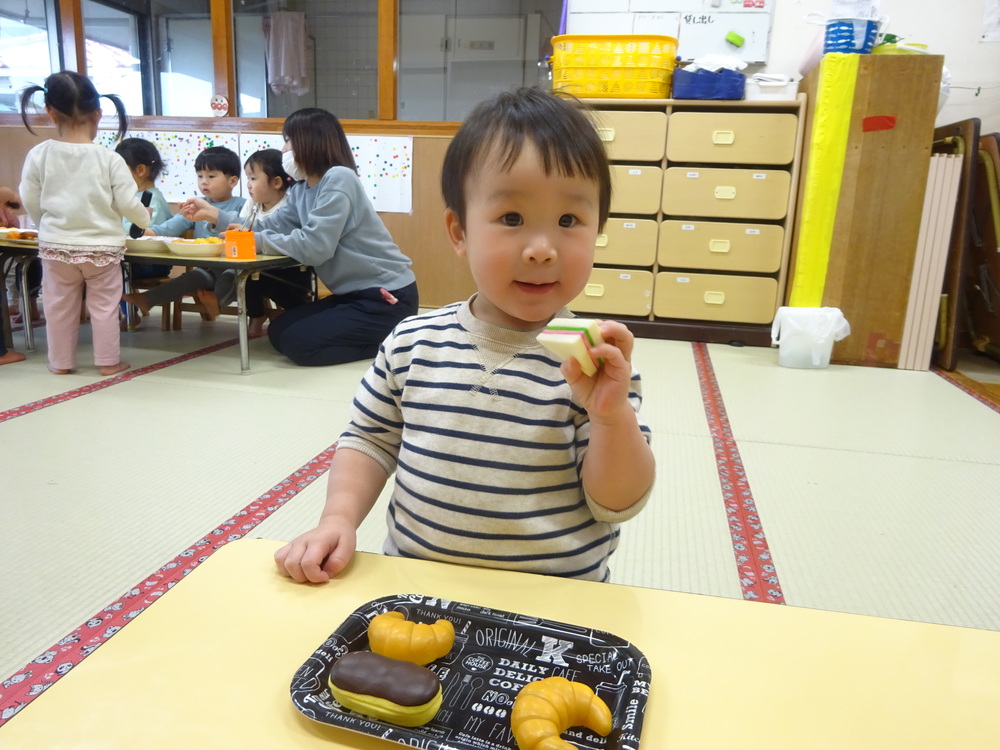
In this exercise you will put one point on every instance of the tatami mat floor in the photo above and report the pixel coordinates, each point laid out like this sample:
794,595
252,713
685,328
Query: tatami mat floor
875,489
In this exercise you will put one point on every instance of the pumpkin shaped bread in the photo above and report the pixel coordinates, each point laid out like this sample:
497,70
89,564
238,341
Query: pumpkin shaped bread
392,635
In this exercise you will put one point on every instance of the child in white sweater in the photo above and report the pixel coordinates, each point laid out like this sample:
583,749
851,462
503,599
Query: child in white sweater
77,192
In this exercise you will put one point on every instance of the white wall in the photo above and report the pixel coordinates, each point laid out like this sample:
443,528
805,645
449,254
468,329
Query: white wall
951,29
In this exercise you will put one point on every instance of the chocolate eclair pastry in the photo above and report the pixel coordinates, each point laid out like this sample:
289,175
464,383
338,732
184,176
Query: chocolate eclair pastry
388,689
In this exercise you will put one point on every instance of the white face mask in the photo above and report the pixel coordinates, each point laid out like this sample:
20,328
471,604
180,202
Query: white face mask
291,167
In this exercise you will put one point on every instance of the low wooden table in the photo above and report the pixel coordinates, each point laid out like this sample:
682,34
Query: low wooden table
20,252
210,664
246,269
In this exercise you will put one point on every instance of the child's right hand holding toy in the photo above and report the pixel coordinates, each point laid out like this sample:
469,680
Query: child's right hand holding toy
597,361
619,467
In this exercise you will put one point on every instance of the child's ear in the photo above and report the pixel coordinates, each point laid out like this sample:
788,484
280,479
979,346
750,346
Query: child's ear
276,183
234,180
455,232
141,171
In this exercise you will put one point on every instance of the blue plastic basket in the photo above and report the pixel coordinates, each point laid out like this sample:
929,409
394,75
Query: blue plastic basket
705,84
850,35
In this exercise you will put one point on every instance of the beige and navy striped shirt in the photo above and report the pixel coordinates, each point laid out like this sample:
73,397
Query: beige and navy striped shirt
487,444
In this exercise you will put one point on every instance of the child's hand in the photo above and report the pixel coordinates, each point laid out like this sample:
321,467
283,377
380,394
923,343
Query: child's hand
199,209
604,393
319,554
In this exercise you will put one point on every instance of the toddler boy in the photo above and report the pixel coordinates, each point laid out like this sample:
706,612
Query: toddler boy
503,457
218,169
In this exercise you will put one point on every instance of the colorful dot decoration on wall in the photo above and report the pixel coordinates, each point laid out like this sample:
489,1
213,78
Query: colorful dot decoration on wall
385,166
384,163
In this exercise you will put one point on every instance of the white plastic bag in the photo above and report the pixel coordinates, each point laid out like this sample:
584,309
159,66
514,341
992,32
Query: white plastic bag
805,335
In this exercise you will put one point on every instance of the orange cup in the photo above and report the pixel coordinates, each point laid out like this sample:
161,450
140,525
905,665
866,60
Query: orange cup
240,245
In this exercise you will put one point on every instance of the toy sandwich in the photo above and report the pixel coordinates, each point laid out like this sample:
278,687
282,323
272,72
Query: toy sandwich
573,337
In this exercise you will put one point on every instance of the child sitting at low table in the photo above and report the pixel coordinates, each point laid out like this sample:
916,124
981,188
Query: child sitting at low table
504,458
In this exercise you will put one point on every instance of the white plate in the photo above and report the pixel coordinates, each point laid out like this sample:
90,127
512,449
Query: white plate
195,249
148,244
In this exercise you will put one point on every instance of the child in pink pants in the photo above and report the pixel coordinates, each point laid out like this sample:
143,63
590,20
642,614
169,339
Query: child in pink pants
62,291
76,191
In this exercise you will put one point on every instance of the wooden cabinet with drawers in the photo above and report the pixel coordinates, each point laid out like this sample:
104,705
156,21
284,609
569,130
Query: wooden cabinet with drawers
698,243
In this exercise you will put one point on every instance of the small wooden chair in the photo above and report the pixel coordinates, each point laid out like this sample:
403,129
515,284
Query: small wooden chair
191,304
167,309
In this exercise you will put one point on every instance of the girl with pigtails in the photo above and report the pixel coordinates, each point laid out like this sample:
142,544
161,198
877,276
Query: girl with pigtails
77,192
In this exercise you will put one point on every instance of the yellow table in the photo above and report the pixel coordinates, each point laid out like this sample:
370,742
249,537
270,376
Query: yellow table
209,665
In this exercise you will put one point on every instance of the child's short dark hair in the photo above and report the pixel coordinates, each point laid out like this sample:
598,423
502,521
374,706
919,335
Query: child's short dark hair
139,151
566,139
268,160
218,159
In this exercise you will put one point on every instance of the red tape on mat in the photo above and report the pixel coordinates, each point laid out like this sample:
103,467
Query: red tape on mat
28,683
758,576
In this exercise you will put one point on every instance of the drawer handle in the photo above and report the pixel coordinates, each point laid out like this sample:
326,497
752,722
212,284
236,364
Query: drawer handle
725,192
715,298
723,137
602,240
718,246
594,290
606,134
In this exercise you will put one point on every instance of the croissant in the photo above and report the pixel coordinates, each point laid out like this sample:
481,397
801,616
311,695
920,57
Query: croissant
545,709
392,635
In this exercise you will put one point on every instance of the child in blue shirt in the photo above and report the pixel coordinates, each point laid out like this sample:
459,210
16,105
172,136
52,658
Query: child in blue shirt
218,170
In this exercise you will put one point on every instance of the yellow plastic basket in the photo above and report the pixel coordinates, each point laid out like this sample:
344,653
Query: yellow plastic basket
609,66
613,83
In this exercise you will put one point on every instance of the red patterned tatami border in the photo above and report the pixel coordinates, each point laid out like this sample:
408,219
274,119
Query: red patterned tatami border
32,680
758,576
984,393
34,406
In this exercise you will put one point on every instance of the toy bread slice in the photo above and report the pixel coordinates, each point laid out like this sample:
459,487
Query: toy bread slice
585,326
572,337
569,344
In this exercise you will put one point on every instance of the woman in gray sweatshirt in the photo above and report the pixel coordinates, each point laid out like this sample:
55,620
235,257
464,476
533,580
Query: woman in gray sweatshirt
328,222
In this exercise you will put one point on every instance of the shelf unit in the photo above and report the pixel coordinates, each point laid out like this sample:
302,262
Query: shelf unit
698,244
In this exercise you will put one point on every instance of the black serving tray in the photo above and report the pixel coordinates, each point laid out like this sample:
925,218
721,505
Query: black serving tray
495,654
